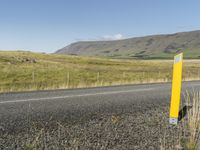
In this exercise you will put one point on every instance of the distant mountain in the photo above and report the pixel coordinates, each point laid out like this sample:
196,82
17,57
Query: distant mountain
148,47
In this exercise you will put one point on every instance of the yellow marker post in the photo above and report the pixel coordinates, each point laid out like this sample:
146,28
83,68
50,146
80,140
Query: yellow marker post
176,89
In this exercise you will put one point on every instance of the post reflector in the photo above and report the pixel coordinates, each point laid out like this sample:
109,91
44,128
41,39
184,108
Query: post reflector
176,89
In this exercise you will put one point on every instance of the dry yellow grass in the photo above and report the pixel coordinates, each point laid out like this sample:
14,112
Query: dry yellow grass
187,132
24,71
192,123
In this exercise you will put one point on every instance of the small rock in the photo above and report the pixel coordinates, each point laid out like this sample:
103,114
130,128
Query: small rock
2,128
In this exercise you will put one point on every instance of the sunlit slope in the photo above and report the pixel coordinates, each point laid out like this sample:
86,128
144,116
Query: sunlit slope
149,47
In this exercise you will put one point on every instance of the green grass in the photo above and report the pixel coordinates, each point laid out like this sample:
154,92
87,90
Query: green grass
19,72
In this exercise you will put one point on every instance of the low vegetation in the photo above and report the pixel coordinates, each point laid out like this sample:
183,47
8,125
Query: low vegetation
187,132
22,71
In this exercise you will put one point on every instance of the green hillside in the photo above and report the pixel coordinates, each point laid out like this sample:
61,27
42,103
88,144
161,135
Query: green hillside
149,47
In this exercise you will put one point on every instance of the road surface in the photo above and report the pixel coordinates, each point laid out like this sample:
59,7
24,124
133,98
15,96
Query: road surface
17,110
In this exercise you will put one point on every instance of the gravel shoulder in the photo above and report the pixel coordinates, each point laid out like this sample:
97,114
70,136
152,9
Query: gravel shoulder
146,129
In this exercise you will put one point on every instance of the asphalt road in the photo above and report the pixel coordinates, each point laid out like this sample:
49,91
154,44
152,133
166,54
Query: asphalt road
17,110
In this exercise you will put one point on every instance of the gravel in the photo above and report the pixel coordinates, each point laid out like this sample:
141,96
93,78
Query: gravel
147,129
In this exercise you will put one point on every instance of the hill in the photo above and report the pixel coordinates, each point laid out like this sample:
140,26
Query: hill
148,47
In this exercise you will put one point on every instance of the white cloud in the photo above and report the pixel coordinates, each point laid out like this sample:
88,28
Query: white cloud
113,37
103,38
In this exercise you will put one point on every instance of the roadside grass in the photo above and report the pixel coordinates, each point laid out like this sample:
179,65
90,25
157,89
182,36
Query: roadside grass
187,132
25,71
192,122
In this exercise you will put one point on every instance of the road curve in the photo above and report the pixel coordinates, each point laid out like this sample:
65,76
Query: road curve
18,109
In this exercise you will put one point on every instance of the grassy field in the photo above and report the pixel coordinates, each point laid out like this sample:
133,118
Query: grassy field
24,71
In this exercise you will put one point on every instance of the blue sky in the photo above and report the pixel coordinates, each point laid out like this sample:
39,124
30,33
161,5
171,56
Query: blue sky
47,25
